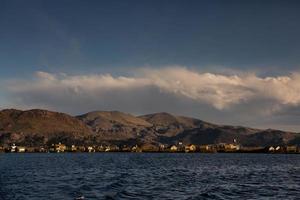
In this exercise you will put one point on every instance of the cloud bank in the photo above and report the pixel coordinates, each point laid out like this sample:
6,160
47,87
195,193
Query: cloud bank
173,89
219,91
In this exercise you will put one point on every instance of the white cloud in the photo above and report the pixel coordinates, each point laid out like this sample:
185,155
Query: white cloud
240,99
217,90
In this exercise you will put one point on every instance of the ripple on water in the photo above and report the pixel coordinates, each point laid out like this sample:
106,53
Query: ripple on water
149,176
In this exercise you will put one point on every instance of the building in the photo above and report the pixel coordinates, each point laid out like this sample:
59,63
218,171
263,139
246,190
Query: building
224,147
13,148
60,148
21,149
207,149
107,149
190,148
81,148
173,148
100,148
114,148
291,149
271,149
231,147
73,148
161,147
91,149
136,148
125,148
42,150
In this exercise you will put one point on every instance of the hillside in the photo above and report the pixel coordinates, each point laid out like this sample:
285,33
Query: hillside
117,126
42,127
172,129
169,125
37,127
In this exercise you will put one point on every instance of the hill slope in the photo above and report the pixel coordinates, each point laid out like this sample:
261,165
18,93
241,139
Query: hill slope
42,127
172,129
117,126
37,127
169,125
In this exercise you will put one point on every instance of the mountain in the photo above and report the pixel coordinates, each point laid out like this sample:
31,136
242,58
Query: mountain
270,137
38,127
117,126
42,127
165,128
172,129
169,125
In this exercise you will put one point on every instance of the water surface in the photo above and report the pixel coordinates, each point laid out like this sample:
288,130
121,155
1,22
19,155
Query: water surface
149,176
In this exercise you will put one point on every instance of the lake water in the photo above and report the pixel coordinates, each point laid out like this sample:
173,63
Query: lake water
149,176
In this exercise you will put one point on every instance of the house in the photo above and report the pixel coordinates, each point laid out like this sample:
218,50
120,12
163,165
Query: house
207,148
190,148
271,148
114,148
73,148
52,148
161,147
21,149
173,148
225,147
231,147
180,147
60,147
136,148
81,148
204,148
13,148
100,148
291,149
107,149
42,150
91,149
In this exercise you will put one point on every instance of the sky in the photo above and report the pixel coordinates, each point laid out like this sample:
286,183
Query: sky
223,61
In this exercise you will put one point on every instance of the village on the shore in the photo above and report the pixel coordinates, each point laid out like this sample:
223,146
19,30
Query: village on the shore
179,147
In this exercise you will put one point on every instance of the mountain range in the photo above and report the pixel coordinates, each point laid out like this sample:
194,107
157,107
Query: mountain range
42,127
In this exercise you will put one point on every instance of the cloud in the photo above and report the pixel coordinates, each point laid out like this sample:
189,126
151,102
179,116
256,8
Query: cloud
225,91
219,91
244,99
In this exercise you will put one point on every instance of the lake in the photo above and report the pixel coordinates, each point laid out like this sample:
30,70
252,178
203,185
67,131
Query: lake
149,176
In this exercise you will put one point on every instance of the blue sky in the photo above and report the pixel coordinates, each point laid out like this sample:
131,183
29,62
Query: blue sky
83,38
100,35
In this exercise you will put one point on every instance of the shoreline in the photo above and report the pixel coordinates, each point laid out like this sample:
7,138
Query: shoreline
149,152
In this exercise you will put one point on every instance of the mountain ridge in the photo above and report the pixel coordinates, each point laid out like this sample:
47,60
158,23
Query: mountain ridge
41,127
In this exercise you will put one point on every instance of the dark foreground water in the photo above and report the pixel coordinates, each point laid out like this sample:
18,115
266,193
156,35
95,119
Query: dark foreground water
149,176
